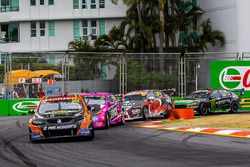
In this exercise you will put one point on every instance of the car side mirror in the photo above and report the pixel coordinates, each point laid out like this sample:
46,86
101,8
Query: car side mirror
31,112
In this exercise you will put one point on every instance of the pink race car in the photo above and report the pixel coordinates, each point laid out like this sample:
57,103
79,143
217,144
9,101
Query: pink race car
104,108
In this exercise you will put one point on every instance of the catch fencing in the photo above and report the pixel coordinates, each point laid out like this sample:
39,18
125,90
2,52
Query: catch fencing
109,72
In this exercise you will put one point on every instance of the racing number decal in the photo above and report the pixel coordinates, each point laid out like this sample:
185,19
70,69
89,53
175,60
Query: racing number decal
213,104
113,112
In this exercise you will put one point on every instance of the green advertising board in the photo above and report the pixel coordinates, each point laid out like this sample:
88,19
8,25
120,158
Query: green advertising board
4,108
22,106
231,75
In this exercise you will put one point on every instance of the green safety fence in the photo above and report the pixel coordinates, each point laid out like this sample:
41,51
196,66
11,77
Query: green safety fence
17,106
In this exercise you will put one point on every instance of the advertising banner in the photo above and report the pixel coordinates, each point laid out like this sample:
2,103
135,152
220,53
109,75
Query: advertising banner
4,107
231,75
22,106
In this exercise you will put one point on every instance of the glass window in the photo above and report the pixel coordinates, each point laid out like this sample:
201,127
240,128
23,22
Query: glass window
102,27
33,29
84,4
101,3
75,4
32,2
15,5
51,2
93,29
41,2
42,28
13,32
51,28
92,4
215,94
225,93
85,29
5,5
76,29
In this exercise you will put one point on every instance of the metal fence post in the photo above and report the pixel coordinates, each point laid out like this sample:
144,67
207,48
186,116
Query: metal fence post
182,77
123,74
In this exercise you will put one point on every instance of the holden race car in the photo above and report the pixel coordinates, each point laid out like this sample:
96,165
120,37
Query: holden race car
59,116
144,104
210,100
104,108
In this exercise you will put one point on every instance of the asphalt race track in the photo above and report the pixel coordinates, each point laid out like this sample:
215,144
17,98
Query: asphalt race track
121,146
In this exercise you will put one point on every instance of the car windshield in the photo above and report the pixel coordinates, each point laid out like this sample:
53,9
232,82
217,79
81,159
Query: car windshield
198,95
134,97
95,100
67,107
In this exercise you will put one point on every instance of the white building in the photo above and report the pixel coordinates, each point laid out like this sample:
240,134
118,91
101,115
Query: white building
49,25
232,18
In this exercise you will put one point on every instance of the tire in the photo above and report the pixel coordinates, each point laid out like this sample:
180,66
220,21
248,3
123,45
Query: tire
203,110
107,121
145,113
123,122
92,133
234,107
166,115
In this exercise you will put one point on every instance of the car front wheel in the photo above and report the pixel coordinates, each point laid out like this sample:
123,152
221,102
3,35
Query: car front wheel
203,110
107,121
145,113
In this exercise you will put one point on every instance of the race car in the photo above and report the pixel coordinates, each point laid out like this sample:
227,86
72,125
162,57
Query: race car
105,109
210,100
144,104
59,116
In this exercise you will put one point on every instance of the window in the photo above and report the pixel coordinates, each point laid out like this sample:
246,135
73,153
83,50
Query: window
93,29
75,4
215,94
5,6
92,4
101,3
9,5
102,27
13,32
33,29
51,2
51,28
85,29
76,29
32,2
41,2
84,4
42,28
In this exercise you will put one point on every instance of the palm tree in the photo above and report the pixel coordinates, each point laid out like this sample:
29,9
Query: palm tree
208,35
162,23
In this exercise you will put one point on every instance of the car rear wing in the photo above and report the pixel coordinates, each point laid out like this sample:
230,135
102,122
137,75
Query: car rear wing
170,91
240,91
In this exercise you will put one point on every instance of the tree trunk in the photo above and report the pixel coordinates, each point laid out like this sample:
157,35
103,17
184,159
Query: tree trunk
162,36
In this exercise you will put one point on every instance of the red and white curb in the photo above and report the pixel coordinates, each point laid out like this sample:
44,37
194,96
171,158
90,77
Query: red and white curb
212,131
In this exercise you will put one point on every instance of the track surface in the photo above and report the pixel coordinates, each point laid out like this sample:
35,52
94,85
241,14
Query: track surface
121,146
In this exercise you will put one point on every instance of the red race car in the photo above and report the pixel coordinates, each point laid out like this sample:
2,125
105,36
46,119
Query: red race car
147,104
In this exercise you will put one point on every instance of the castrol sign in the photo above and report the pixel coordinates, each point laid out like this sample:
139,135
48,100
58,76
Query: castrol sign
235,77
230,75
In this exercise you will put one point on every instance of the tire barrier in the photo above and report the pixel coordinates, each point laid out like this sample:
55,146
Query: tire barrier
182,113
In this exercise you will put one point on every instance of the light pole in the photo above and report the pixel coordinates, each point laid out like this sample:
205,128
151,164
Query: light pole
197,66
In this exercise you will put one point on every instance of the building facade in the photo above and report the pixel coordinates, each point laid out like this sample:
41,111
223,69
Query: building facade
230,17
49,25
